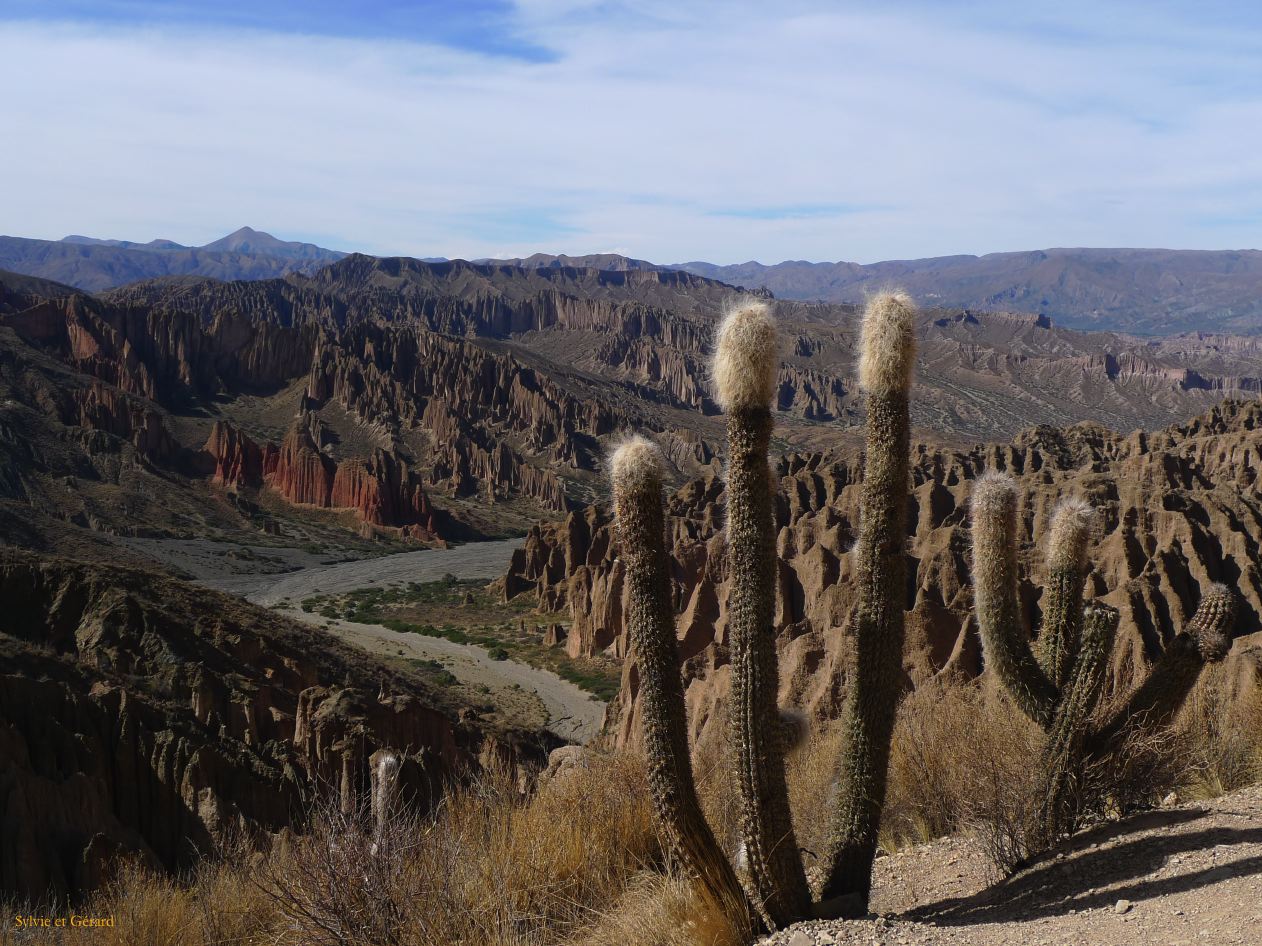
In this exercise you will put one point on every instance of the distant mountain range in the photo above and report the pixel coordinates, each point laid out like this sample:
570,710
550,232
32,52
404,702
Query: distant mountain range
1147,292
94,264
1139,291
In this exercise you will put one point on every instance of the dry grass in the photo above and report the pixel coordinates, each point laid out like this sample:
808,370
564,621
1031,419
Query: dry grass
578,863
1221,736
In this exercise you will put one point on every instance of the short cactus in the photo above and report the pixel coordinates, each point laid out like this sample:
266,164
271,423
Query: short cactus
637,498
1059,689
384,773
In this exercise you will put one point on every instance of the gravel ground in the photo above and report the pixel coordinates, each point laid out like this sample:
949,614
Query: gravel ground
1188,875
475,560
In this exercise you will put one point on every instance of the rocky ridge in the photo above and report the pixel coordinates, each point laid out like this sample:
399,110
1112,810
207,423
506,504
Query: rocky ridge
453,400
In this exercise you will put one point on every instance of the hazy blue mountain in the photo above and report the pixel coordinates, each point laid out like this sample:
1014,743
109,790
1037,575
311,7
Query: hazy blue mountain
93,264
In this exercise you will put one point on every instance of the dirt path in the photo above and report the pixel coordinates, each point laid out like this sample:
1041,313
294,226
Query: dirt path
1181,876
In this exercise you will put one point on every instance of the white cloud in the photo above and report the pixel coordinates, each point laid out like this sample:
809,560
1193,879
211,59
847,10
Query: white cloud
932,134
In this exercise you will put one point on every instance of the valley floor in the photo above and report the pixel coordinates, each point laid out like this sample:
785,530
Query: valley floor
282,578
1188,875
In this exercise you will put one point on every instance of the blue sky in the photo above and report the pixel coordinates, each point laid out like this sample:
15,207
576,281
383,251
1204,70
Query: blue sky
667,131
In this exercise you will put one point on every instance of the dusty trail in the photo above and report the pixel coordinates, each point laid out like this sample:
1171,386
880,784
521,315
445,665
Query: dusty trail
1186,875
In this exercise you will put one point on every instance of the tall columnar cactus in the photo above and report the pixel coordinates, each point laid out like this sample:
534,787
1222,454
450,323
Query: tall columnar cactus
746,361
640,522
745,366
886,360
1060,688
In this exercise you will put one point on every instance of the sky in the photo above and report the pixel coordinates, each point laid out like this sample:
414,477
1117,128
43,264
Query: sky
669,131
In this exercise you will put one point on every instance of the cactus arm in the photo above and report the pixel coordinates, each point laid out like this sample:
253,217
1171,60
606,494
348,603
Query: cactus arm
1004,639
887,357
1155,702
746,358
1063,755
1061,634
640,525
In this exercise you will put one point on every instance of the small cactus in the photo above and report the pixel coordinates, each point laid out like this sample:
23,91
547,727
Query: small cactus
1059,689
384,775
887,357
745,364
637,498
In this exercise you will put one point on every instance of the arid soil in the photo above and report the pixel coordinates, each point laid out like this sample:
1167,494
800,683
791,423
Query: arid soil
1185,875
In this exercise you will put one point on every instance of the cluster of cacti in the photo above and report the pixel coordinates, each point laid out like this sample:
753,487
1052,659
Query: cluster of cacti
745,367
1060,686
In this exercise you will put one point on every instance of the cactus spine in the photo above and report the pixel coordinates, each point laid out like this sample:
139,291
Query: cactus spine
1060,689
887,357
745,366
640,522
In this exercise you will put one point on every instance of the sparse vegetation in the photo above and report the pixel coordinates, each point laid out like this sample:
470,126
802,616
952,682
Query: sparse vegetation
464,612
578,862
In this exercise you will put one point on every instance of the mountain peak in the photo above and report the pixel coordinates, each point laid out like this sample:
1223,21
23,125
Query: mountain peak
261,243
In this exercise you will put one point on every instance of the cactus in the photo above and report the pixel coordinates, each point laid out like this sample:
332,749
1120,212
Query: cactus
640,522
1060,688
383,767
745,364
887,357
1154,703
745,367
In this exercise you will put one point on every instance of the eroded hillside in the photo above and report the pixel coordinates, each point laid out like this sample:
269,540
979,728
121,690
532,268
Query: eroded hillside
397,400
1182,508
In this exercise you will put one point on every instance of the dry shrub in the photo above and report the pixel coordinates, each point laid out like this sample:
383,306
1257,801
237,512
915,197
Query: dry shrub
490,867
961,761
664,910
1220,734
217,905
337,885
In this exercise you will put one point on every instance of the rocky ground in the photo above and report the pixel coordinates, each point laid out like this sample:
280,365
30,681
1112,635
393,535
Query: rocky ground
1186,875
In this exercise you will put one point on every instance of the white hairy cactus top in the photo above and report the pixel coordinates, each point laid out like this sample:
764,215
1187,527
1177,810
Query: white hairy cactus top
1073,522
636,465
887,344
746,357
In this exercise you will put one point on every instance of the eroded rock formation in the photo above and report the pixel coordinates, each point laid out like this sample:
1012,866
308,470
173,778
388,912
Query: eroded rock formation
1181,508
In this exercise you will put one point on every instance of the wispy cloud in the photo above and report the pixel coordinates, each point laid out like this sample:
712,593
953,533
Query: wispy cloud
723,131
795,211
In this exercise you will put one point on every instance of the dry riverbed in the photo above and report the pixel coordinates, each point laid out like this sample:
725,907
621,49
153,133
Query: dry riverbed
283,578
